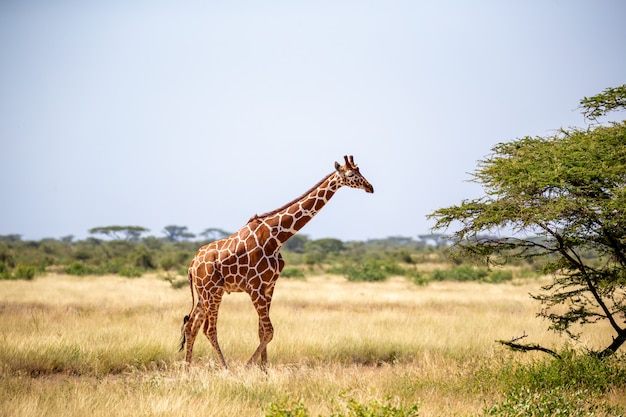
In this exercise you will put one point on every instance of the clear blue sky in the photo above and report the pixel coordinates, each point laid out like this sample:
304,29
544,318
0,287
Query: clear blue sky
203,113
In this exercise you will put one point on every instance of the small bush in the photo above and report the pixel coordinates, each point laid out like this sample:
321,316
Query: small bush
556,402
113,267
369,270
351,408
80,269
460,273
5,272
168,263
570,386
576,371
499,276
130,272
284,409
24,272
176,281
143,258
292,272
416,276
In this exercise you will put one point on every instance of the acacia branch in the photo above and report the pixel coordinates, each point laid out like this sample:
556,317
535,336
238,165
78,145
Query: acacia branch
525,348
575,260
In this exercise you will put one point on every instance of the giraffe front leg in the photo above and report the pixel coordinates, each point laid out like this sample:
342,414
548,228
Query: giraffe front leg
268,296
266,332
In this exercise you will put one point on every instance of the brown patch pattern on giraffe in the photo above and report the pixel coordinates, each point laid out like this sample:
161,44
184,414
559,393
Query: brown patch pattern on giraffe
249,261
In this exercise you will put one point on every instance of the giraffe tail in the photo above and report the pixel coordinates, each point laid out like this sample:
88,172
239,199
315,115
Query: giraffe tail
182,332
186,318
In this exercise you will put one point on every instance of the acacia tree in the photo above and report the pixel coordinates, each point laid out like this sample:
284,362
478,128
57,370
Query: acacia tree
567,191
129,233
213,233
174,233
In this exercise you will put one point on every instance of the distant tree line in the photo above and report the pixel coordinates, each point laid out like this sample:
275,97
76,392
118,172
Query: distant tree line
129,251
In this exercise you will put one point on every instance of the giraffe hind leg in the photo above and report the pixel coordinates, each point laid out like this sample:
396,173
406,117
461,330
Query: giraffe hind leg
191,328
210,326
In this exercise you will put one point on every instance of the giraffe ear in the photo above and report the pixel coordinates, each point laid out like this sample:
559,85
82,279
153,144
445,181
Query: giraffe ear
338,167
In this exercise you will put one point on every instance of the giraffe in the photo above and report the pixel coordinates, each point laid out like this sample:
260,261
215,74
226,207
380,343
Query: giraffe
249,260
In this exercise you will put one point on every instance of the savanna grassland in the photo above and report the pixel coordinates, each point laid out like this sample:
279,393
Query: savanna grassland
108,346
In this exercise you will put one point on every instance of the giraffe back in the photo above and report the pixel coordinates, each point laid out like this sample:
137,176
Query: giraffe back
244,261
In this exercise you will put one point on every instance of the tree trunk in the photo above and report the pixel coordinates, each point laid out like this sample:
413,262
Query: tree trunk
617,342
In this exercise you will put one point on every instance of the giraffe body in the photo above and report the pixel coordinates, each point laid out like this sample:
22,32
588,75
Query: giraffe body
249,261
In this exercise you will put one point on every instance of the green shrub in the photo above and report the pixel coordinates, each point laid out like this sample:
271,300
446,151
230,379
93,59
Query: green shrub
576,371
78,268
113,267
24,272
292,272
177,281
555,402
369,270
284,409
168,263
416,276
499,276
130,272
143,258
459,273
572,385
349,408
5,272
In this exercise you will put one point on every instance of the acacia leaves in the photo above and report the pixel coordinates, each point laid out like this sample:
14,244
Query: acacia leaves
610,99
563,197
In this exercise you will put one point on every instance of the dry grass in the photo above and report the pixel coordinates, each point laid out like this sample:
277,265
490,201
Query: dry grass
108,346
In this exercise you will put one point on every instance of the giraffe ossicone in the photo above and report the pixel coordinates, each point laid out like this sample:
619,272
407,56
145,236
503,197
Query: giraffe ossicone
249,261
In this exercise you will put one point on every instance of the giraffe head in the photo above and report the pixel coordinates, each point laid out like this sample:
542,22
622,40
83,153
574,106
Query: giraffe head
349,175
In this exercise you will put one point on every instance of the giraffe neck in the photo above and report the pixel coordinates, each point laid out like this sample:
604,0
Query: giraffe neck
287,220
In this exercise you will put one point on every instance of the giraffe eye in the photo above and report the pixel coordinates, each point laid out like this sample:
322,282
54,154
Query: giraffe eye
350,174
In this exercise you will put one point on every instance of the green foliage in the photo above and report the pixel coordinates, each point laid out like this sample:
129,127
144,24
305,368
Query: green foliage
131,233
5,273
348,408
285,409
567,190
317,251
168,263
292,272
599,105
79,268
177,281
470,273
574,371
499,276
24,272
373,260
460,273
143,258
296,243
369,270
213,234
558,402
570,386
130,272
175,233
